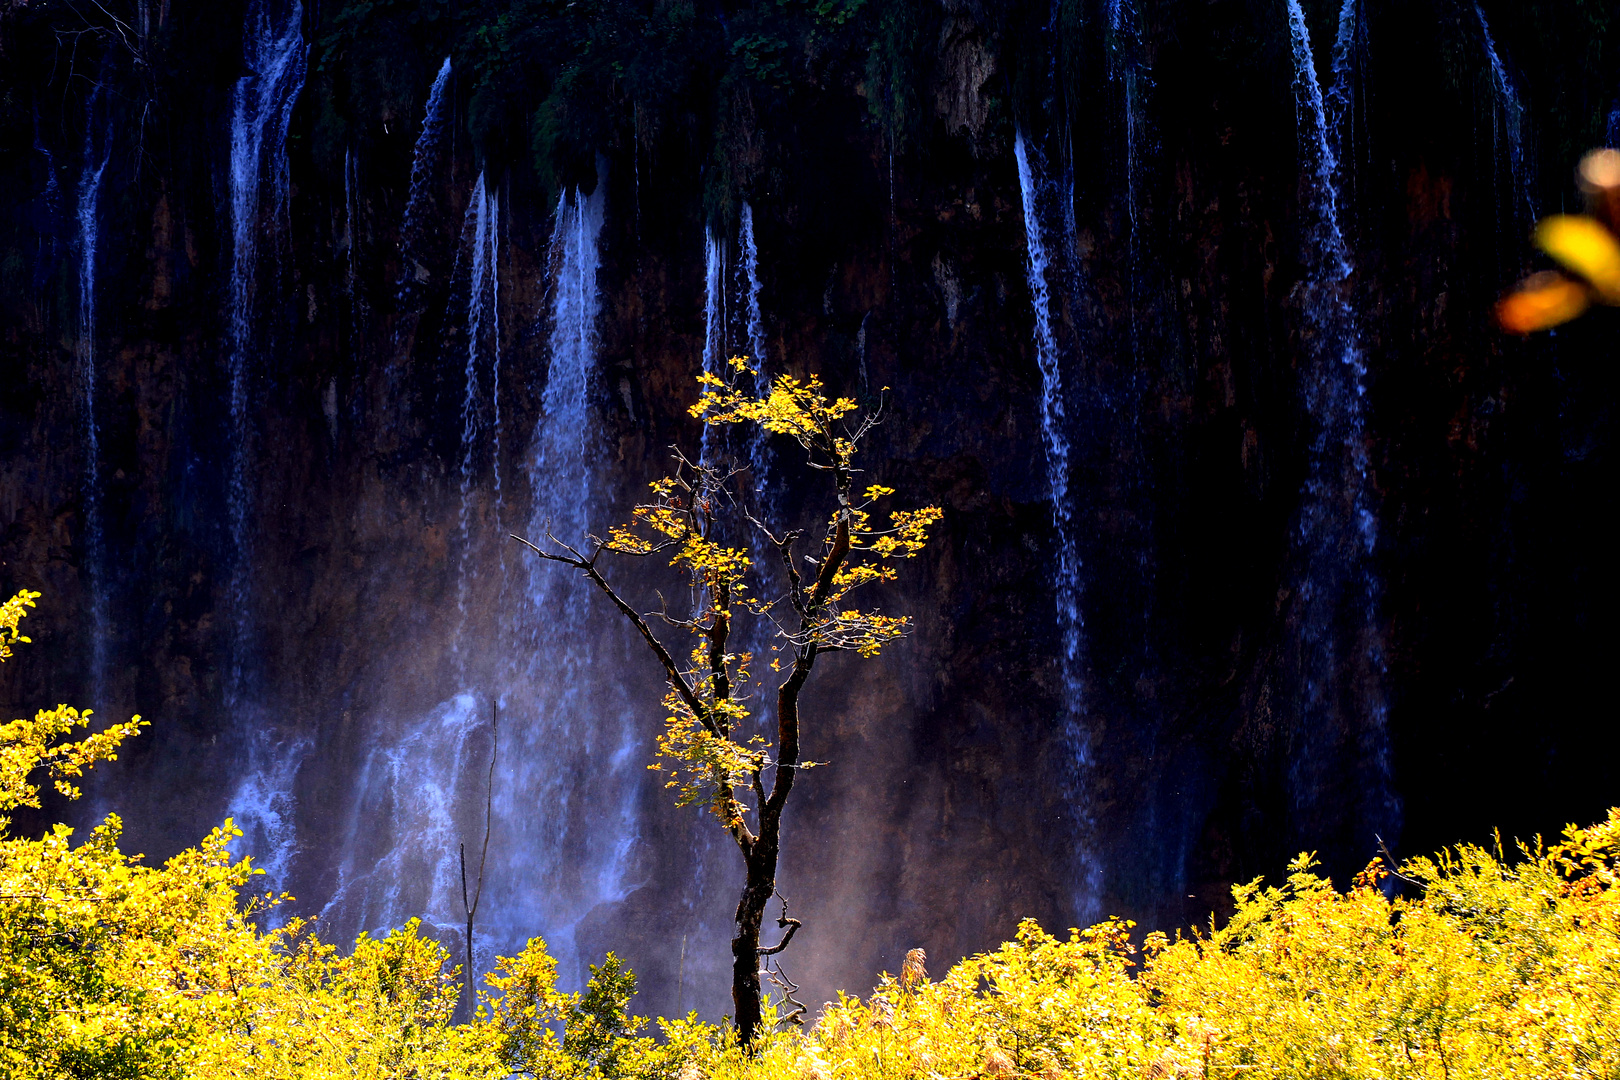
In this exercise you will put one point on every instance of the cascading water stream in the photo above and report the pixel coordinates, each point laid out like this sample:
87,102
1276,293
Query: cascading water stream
1341,99
351,243
483,307
1067,586
714,317
1336,530
1130,69
1125,60
274,55
424,167
583,756
569,775
758,445
1507,126
95,555
750,269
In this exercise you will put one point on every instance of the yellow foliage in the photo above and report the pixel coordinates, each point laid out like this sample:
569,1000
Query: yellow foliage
1584,245
11,613
687,517
1494,968
1541,302
1491,967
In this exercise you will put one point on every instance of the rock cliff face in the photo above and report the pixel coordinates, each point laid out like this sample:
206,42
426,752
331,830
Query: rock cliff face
264,493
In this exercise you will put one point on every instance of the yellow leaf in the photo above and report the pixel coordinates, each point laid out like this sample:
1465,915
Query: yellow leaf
1583,245
1543,301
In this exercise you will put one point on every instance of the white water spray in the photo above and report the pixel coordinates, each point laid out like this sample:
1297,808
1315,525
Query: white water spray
1036,190
483,322
274,54
1336,530
758,444
714,317
1340,101
1507,127
424,167
750,269
95,555
569,773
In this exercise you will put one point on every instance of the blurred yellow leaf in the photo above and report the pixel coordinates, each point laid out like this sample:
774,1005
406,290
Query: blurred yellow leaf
1585,246
1543,301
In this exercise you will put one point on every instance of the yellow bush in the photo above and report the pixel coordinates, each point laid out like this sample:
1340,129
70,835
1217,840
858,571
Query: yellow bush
1488,966
1494,967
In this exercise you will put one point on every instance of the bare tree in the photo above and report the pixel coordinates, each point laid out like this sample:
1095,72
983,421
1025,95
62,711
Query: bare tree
693,516
470,906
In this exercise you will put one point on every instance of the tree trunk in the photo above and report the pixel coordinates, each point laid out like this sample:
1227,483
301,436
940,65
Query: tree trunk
746,992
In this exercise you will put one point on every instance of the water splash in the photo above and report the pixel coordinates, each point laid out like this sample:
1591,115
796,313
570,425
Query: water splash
1349,44
424,166
1037,192
359,312
1336,531
275,55
568,780
403,837
264,803
759,443
95,555
483,338
1125,62
1508,127
750,268
714,317
578,754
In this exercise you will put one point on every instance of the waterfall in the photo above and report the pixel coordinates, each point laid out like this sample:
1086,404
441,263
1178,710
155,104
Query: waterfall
1067,586
750,268
95,555
571,755
1147,295
1125,59
1336,530
483,321
582,757
359,310
754,328
1507,125
401,845
1340,99
424,164
274,55
714,317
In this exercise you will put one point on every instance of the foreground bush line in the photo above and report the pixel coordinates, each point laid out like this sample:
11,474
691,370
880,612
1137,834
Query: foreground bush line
1491,964
1496,966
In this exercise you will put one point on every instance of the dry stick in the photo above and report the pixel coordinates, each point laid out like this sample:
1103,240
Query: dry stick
489,810
772,960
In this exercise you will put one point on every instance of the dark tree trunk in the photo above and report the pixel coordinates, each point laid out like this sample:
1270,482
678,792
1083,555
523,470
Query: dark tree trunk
746,993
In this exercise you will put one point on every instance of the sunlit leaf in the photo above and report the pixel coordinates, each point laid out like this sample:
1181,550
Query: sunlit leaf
1544,300
1585,246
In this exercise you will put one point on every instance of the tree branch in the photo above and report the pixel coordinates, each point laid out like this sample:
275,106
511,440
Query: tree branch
672,671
